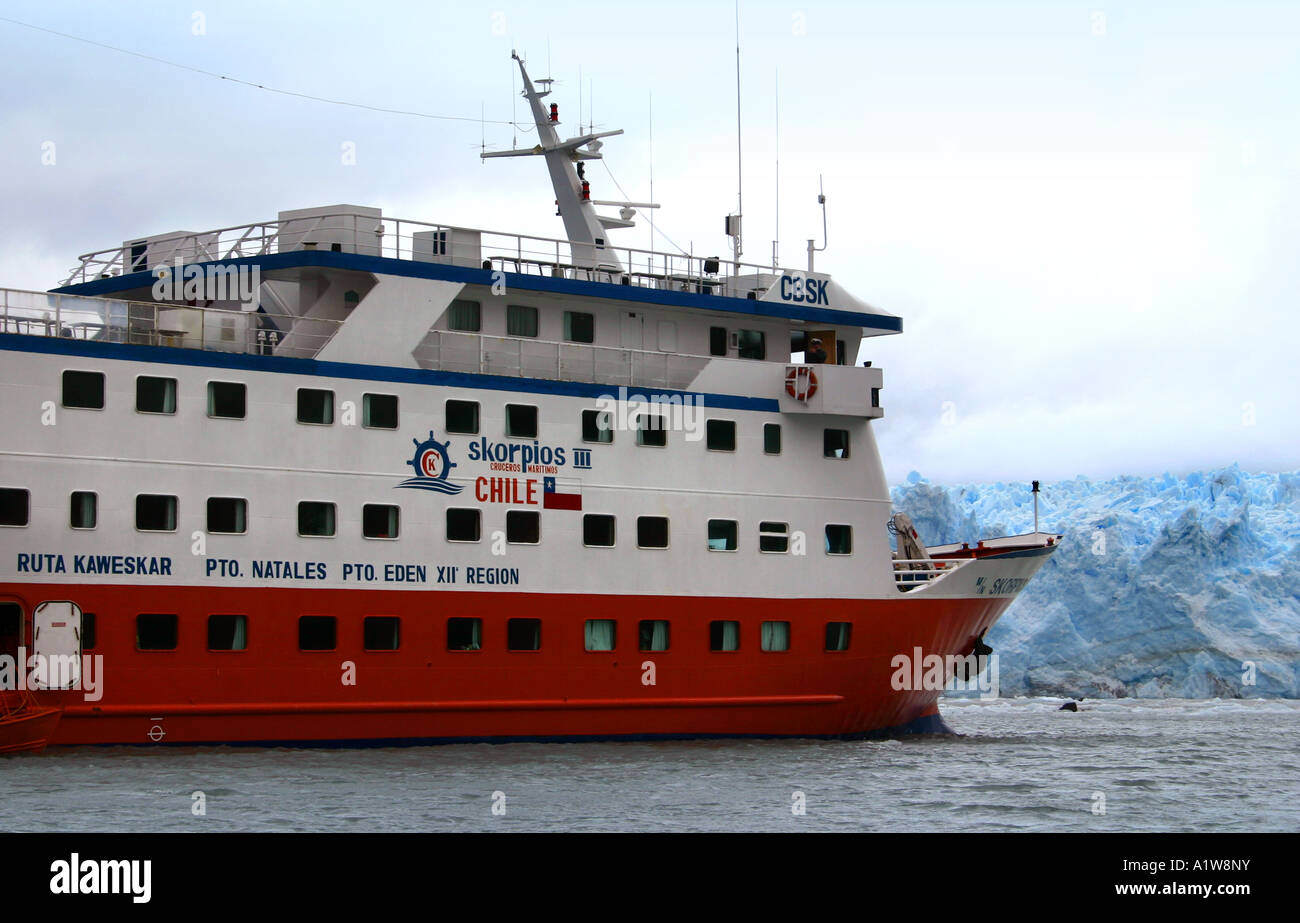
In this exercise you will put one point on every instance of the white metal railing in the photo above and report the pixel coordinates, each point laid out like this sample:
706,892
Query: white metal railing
910,573
396,238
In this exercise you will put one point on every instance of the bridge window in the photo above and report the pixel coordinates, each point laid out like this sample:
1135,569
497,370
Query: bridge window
722,534
579,327
600,635
464,315
317,633
315,519
381,632
463,525
597,426
652,532
752,344
83,390
464,634
315,405
650,430
15,506
774,537
523,527
521,321
89,638
84,509
653,635
839,539
227,515
379,411
155,632
227,632
772,438
521,421
837,636
720,435
227,399
775,636
155,395
155,513
524,634
379,520
717,341
835,443
462,417
724,636
598,530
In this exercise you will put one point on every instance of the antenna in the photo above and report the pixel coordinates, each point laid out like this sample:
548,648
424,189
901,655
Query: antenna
733,221
776,145
652,173
821,200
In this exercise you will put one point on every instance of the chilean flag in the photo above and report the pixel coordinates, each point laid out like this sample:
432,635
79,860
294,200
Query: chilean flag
555,499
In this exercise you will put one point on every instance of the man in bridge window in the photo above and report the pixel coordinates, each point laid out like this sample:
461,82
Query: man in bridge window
815,354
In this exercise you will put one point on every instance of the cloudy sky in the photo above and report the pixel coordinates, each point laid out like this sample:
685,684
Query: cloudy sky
1087,213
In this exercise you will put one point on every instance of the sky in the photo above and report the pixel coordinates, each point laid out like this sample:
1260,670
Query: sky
1086,213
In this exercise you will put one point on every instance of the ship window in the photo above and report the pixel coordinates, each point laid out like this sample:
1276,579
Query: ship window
379,411
598,530
839,539
155,632
837,636
315,405
523,527
521,421
752,344
155,513
315,518
724,636
381,632
579,327
597,426
227,515
15,506
84,513
524,634
84,390
721,435
317,632
653,634
11,628
775,636
463,525
717,341
652,532
600,634
464,634
379,520
227,399
840,358
772,438
650,430
836,443
521,321
89,637
774,537
227,632
155,395
462,417
464,315
722,534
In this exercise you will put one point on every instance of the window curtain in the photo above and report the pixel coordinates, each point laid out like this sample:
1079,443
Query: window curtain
730,636
776,636
600,634
240,639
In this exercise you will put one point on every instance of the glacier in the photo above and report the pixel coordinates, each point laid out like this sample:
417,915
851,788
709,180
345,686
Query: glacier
1163,587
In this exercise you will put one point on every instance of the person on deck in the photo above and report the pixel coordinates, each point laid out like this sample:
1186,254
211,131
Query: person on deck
815,354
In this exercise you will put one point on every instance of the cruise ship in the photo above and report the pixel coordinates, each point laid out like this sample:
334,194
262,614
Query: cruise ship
343,478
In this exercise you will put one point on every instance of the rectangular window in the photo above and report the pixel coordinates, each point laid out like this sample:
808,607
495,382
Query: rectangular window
15,506
521,421
379,520
462,417
652,635
464,634
379,411
774,537
836,443
579,327
227,399
839,539
717,341
837,636
722,534
315,405
155,395
652,532
228,515
720,435
597,426
600,635
84,512
650,430
840,358
155,513
752,344
89,637
521,321
227,632
464,315
463,525
523,527
84,390
523,634
155,632
772,438
598,530
724,636
776,636
381,632
317,633
315,518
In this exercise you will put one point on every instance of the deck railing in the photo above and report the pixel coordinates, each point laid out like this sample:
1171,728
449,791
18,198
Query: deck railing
910,573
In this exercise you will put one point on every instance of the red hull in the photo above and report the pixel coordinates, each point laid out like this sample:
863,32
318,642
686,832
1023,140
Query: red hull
25,726
273,692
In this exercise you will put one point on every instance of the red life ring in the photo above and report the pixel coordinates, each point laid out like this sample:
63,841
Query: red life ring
800,382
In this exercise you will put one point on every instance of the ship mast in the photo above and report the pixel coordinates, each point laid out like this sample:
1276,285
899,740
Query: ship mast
585,229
